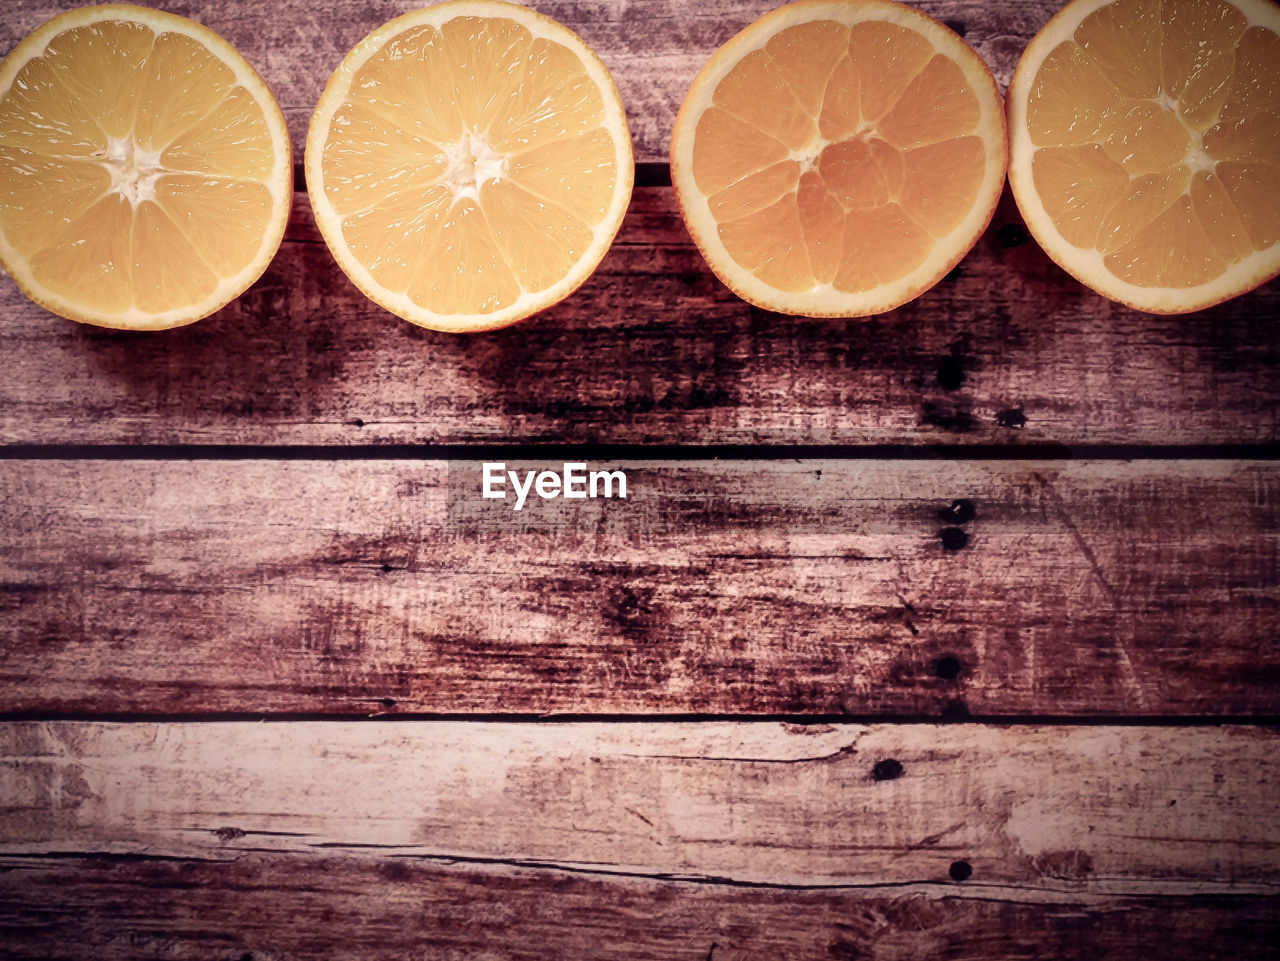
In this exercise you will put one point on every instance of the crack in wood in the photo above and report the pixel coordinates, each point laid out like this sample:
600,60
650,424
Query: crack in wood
1132,679
1099,890
846,751
639,815
931,840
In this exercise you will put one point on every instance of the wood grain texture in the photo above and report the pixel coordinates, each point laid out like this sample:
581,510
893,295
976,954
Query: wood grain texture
725,587
652,47
653,349
746,587
261,907
1050,814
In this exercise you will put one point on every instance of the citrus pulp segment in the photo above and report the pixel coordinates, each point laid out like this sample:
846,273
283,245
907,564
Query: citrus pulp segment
469,164
145,168
1146,147
839,157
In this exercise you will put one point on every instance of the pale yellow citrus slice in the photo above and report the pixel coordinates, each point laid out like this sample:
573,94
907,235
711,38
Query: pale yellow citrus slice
1146,147
469,164
838,157
145,168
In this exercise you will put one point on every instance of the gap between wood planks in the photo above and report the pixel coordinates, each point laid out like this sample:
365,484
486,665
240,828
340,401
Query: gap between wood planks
817,720
650,452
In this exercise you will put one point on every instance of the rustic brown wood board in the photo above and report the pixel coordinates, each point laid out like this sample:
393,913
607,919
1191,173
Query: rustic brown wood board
651,840
654,350
734,587
944,634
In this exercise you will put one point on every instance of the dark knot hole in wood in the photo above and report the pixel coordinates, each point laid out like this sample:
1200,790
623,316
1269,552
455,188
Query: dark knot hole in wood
951,373
960,871
888,769
947,667
961,511
953,538
1011,235
1014,418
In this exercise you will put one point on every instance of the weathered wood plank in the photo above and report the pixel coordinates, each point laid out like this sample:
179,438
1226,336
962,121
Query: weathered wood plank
280,908
653,48
1051,814
653,349
736,587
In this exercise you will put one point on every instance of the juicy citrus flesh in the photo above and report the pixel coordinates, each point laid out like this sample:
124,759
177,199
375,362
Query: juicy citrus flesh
1150,130
839,158
144,169
473,164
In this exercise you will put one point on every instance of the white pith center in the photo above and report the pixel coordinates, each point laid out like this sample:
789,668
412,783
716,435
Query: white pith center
133,171
1197,158
472,163
808,156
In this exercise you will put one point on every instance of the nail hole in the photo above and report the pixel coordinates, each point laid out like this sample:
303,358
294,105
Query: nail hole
961,511
947,668
387,568
953,538
388,702
358,422
1012,418
887,770
950,373
960,871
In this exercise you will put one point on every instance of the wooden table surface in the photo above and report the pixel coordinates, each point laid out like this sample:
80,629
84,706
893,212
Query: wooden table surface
949,633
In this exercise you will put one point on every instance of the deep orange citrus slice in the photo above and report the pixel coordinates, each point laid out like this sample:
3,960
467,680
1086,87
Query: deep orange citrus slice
839,157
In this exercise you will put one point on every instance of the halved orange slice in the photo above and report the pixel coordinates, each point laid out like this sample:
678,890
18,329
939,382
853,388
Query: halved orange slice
838,157
469,164
145,168
1146,147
